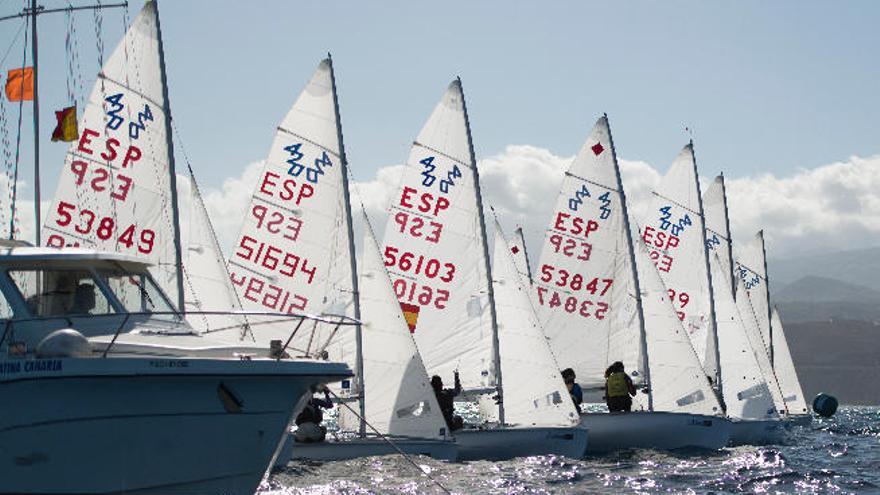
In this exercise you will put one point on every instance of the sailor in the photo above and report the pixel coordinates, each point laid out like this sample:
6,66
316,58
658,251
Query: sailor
574,390
446,400
619,388
309,428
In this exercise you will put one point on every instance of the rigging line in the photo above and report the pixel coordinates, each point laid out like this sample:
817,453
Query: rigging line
18,147
14,41
391,443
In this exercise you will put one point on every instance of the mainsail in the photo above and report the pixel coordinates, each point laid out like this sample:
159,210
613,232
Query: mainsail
521,255
116,191
292,255
718,231
434,245
539,396
398,396
751,269
584,287
792,393
674,234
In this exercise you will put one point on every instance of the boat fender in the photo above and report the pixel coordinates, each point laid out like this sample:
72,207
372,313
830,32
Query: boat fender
825,405
66,342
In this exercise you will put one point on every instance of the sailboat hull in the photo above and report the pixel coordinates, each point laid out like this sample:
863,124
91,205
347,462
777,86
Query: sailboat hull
610,432
509,442
147,426
761,432
798,420
333,450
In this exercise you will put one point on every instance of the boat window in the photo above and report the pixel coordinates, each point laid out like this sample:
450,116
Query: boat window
61,292
137,292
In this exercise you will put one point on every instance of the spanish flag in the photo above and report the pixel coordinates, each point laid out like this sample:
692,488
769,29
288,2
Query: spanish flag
20,84
411,315
66,129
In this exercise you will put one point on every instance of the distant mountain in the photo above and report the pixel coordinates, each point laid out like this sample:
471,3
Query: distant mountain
857,267
814,288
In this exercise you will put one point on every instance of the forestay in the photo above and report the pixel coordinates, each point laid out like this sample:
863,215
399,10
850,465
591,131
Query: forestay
583,288
292,255
433,249
398,395
673,233
678,381
538,395
746,394
792,393
114,192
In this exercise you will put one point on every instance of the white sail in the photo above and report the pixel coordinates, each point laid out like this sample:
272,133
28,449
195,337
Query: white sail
750,268
114,192
538,395
433,249
678,381
292,255
717,230
206,279
673,233
583,282
746,394
399,399
520,255
750,322
792,393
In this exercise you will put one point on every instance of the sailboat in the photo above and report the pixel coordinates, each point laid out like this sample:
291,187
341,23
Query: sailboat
296,253
751,268
601,300
756,409
138,386
437,254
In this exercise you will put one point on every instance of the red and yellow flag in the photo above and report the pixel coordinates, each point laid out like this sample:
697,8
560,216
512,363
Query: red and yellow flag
20,84
66,129
411,315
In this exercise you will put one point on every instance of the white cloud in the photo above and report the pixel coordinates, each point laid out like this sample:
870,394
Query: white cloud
832,207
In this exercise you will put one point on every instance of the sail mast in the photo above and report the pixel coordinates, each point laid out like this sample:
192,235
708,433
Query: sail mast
769,307
643,338
359,352
522,240
729,238
496,351
34,61
172,173
712,320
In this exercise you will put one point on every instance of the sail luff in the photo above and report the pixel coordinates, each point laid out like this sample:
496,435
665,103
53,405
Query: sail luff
713,323
522,241
733,284
643,338
175,210
767,295
489,289
343,164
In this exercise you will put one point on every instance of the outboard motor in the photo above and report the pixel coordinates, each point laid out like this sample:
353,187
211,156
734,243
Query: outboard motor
63,343
825,405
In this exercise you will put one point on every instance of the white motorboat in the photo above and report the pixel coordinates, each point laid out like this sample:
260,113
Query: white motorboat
107,390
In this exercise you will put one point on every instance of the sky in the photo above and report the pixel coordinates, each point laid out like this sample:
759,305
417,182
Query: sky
781,96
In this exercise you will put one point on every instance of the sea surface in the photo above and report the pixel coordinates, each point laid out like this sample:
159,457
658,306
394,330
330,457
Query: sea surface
837,455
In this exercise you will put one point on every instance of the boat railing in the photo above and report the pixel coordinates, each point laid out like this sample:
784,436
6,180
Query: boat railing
277,352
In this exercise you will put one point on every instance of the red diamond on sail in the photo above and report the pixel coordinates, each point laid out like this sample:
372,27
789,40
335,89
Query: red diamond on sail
514,249
597,149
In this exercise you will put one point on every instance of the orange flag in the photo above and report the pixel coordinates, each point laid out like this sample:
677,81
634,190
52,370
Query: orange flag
66,129
20,84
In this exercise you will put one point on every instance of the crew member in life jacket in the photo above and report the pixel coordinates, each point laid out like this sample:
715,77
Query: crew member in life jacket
446,400
309,428
619,389
574,390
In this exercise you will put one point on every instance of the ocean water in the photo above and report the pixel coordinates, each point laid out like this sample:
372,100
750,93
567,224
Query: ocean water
837,455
